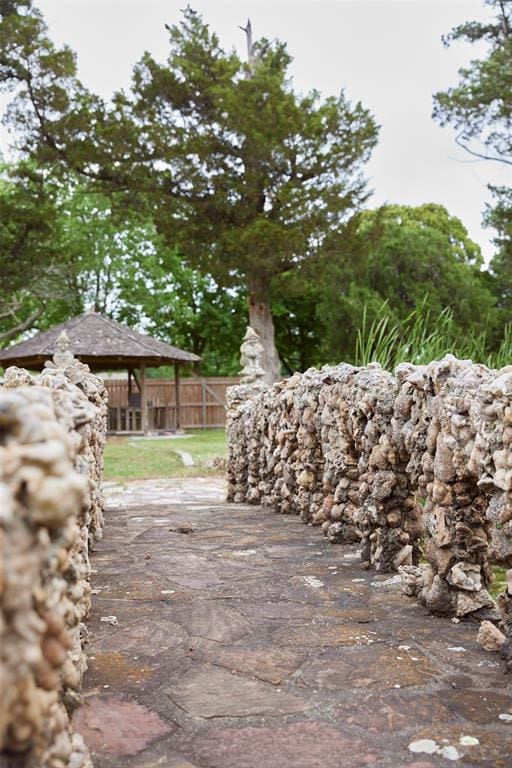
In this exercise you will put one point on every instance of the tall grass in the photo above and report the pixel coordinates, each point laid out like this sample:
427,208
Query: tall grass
503,356
418,339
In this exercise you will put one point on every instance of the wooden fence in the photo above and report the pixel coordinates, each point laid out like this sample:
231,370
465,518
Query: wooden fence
202,404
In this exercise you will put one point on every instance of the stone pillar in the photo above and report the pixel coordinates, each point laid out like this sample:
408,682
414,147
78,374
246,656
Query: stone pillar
237,403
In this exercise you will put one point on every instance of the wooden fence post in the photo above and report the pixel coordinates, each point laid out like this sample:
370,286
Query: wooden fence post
177,385
203,401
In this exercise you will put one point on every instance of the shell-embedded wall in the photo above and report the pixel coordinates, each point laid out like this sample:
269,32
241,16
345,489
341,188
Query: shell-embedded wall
417,466
52,433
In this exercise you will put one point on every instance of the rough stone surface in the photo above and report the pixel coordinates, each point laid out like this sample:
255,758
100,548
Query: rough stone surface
212,692
287,685
355,451
490,637
298,745
119,727
52,433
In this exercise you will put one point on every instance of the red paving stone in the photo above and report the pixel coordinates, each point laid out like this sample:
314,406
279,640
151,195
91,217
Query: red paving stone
245,640
112,726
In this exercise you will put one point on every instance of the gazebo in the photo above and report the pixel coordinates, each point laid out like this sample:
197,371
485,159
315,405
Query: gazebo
105,345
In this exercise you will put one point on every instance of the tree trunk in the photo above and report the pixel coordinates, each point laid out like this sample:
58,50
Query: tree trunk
260,319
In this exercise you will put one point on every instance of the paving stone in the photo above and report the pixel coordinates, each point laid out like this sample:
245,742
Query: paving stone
197,581
391,711
270,664
377,668
117,671
212,620
133,585
158,755
493,749
171,761
149,636
358,615
212,692
325,635
418,765
480,706
279,609
112,726
298,745
249,662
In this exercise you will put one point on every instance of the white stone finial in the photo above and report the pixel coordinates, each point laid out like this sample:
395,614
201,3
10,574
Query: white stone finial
63,356
251,354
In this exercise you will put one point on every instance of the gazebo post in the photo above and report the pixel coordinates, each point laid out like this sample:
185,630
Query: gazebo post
177,387
144,399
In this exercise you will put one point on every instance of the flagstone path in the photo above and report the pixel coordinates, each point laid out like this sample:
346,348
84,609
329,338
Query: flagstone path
224,636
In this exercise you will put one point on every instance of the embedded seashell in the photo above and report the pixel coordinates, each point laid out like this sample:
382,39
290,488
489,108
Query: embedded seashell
465,576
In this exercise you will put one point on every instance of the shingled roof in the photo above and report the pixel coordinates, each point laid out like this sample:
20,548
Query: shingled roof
98,341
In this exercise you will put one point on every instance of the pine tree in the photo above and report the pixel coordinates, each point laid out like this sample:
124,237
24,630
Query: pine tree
241,173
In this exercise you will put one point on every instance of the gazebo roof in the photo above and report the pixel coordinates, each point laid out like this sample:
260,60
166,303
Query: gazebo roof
98,341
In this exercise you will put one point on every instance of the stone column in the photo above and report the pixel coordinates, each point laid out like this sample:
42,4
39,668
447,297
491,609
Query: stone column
238,406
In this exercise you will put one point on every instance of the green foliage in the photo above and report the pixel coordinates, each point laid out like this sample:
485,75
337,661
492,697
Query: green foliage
400,255
422,337
500,217
241,174
124,269
499,582
212,178
31,257
52,116
479,107
29,220
255,174
65,249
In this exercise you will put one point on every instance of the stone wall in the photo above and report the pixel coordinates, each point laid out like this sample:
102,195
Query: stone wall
52,434
417,466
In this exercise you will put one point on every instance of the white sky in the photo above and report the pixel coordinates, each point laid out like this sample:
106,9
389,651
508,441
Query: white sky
387,54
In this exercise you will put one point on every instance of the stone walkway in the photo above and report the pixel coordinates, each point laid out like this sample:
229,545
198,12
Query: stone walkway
224,636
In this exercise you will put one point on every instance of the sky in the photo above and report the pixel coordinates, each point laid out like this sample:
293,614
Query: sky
388,55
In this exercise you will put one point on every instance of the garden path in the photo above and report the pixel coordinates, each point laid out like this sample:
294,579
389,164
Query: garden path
224,636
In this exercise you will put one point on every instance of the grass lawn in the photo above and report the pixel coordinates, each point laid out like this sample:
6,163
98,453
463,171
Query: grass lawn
128,458
500,581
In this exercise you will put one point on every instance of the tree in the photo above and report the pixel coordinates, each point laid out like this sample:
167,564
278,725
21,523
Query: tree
123,269
480,107
251,175
240,173
30,254
500,217
401,255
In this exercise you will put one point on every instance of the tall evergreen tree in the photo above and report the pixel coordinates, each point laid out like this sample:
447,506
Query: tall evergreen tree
31,258
241,173
479,107
250,175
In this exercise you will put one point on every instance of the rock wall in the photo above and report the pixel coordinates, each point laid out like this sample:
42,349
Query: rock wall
52,434
417,466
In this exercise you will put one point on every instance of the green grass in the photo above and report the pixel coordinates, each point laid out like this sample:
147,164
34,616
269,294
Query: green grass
499,583
417,339
127,458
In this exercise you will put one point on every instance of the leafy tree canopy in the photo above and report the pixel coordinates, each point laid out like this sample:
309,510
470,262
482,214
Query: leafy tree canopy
241,173
30,253
479,106
480,109
401,255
